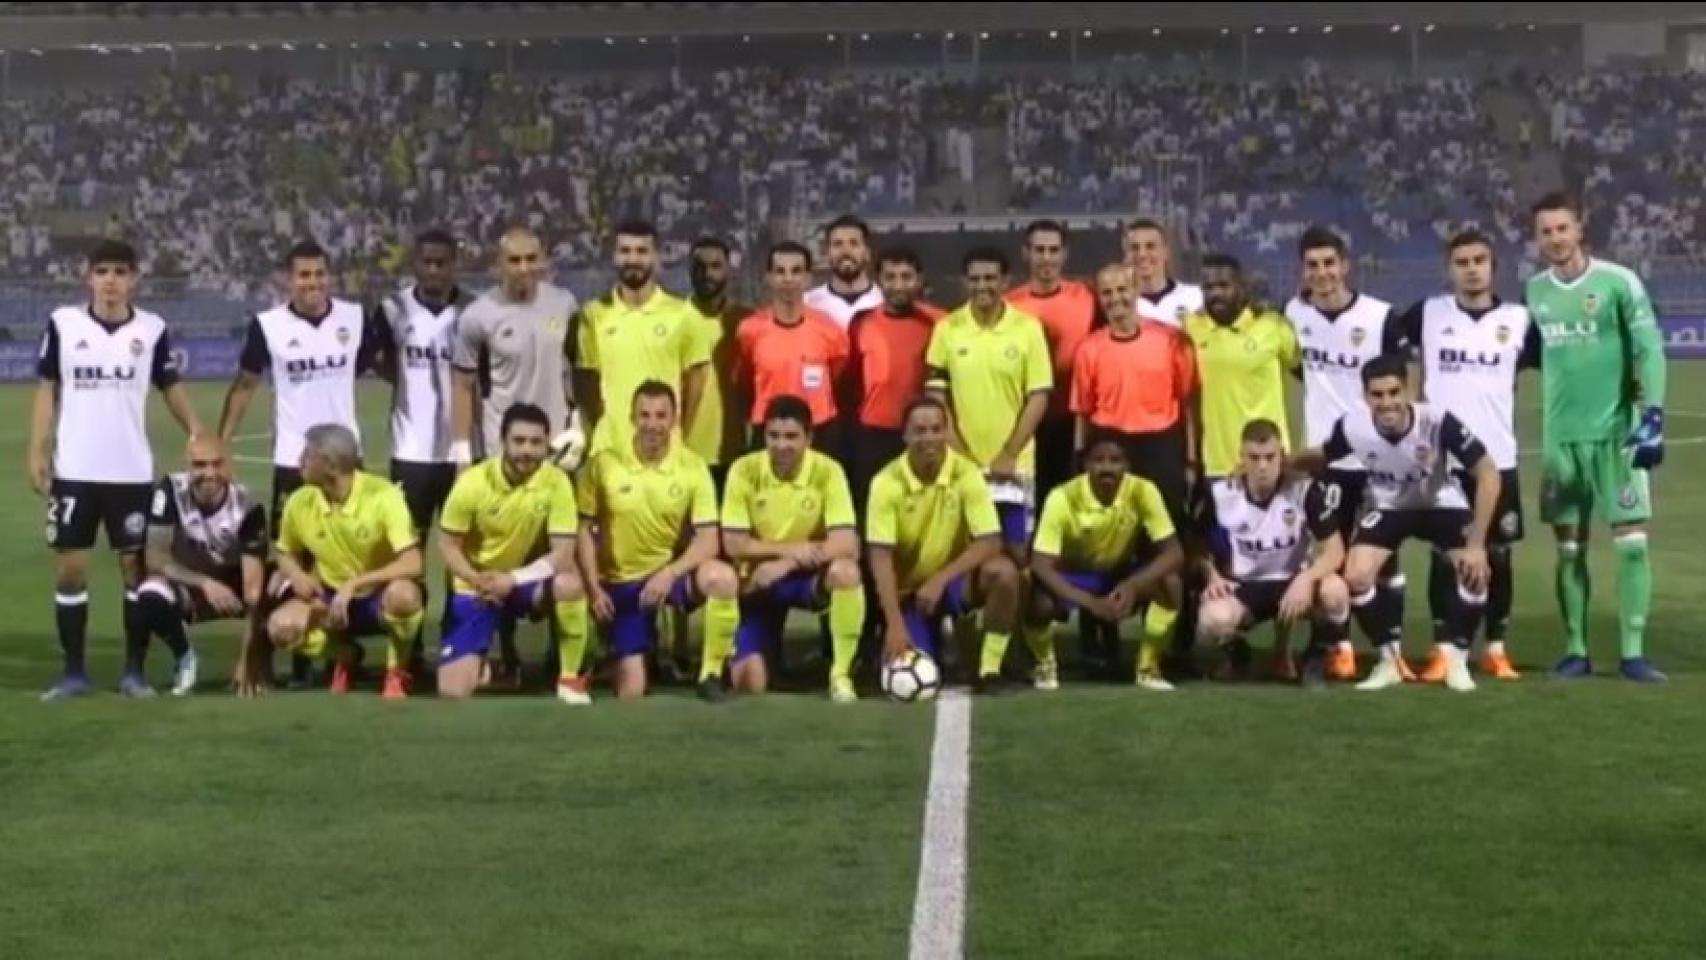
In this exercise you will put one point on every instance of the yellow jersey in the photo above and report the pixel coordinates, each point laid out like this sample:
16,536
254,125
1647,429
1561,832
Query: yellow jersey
927,525
503,526
628,345
758,502
1241,367
1092,537
989,373
371,528
644,510
715,435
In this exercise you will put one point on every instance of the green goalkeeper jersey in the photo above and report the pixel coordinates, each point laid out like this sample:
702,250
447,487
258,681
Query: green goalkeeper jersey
1603,356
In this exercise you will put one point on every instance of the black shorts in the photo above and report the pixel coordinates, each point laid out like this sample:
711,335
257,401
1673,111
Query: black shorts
719,478
1057,462
871,449
1507,519
285,481
1348,486
1261,599
1445,529
425,486
192,603
77,509
1160,458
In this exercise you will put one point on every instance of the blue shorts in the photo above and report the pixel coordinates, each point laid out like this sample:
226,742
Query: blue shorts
1015,521
1095,584
634,630
764,613
926,632
366,614
470,622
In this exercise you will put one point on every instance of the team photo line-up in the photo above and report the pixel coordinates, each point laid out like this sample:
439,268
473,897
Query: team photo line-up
852,451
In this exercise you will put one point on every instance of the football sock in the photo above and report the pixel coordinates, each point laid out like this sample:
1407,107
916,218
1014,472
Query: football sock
71,616
506,642
722,619
1374,615
1634,592
135,635
1501,596
1392,596
1158,624
164,621
569,617
1463,617
1574,591
399,633
994,651
846,621
1039,639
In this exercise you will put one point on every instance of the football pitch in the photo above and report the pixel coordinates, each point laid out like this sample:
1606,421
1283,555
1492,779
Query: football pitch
1525,820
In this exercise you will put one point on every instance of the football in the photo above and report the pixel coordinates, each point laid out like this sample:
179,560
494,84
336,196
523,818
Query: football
568,448
911,676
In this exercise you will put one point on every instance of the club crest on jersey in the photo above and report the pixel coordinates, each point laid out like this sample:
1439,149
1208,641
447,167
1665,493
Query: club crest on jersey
1590,304
674,490
1012,352
1289,517
1249,345
1627,497
1508,523
761,503
1358,335
660,331
808,504
343,336
1423,454
136,348
1502,335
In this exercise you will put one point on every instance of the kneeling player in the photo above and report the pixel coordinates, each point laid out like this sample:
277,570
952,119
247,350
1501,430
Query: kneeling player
508,539
1261,525
936,546
1412,492
788,522
206,560
1085,555
347,552
639,500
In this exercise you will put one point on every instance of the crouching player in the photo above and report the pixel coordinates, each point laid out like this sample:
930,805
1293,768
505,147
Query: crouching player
206,560
936,546
508,540
1261,525
1092,532
640,500
348,555
788,522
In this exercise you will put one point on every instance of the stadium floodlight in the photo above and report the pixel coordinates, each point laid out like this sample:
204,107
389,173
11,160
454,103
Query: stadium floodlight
746,38
1428,29
1291,29
1089,33
1055,34
288,47
610,41
422,44
526,42
1156,32
984,35
644,41
1397,28
35,51
456,43
1327,29
254,48
864,38
1261,30
830,37
1224,31
320,46
491,44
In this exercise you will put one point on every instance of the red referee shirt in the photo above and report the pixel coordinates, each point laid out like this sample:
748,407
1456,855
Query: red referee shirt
1067,315
802,358
886,371
1137,383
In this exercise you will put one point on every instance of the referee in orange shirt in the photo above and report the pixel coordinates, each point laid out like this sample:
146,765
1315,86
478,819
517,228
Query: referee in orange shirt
787,348
1067,310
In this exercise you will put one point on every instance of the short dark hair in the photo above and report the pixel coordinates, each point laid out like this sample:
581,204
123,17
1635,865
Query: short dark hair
788,407
524,413
902,255
1386,365
1102,435
925,402
709,242
1319,237
985,255
635,227
848,221
653,388
787,247
113,251
1146,223
1045,225
1556,200
436,237
1225,261
1469,237
306,250
1259,430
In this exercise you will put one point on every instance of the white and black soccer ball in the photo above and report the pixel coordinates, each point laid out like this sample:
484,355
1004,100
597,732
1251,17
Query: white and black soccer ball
568,448
911,677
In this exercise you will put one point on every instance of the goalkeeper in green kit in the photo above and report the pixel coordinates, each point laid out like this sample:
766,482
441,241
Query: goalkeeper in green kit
1603,369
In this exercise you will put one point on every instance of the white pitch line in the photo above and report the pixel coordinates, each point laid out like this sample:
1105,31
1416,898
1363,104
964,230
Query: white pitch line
248,437
244,458
939,907
1679,442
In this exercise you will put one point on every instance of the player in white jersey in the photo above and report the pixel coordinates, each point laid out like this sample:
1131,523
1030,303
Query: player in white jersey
1472,345
1413,493
206,557
850,290
1275,549
1159,296
1339,329
88,450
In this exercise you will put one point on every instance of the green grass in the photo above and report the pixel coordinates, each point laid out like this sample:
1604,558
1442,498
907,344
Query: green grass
1526,820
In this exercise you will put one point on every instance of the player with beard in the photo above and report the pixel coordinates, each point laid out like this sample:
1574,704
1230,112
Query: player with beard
849,291
717,432
1150,257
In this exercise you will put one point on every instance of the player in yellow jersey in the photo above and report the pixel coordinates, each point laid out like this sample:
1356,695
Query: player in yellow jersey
936,546
640,502
1244,354
348,553
508,540
1093,532
717,432
788,523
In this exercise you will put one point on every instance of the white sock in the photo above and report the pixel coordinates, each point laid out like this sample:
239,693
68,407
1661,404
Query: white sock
1495,648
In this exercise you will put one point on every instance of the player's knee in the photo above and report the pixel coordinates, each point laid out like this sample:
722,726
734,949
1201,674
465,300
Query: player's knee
567,586
286,627
1360,580
841,575
1334,597
1000,575
1042,608
402,598
717,581
1219,619
71,572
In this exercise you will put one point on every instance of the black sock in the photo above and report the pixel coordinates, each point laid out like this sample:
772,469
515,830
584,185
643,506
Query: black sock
71,616
1463,618
165,621
1442,585
506,642
1391,586
1376,613
1501,595
135,636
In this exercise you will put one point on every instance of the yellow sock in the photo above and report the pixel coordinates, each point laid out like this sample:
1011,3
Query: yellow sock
569,617
846,622
399,633
994,651
1157,628
722,619
314,643
1039,638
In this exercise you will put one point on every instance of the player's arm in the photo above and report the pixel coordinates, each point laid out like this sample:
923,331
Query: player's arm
1460,443
580,348
693,386
1185,381
695,367
1314,460
1646,345
406,565
1215,551
1169,556
882,512
251,365
44,408
1039,382
1045,553
937,384
455,559
1322,505
464,388
168,379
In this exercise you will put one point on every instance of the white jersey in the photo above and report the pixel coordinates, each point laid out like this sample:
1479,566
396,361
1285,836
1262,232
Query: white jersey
1272,540
313,364
1413,471
1471,359
1335,345
420,343
1172,304
104,372
841,309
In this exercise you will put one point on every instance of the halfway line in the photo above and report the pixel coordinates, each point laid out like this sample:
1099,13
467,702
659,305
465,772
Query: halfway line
939,908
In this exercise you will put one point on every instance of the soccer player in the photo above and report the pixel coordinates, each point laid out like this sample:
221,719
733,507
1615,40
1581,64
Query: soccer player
635,333
206,560
935,544
348,554
788,524
1067,310
88,447
1339,329
1263,524
508,539
1093,531
1243,355
717,431
1412,493
849,291
788,348
1472,345
1603,367
1150,257
639,503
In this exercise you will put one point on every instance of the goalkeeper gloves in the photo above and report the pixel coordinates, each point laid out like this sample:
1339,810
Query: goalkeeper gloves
1649,439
